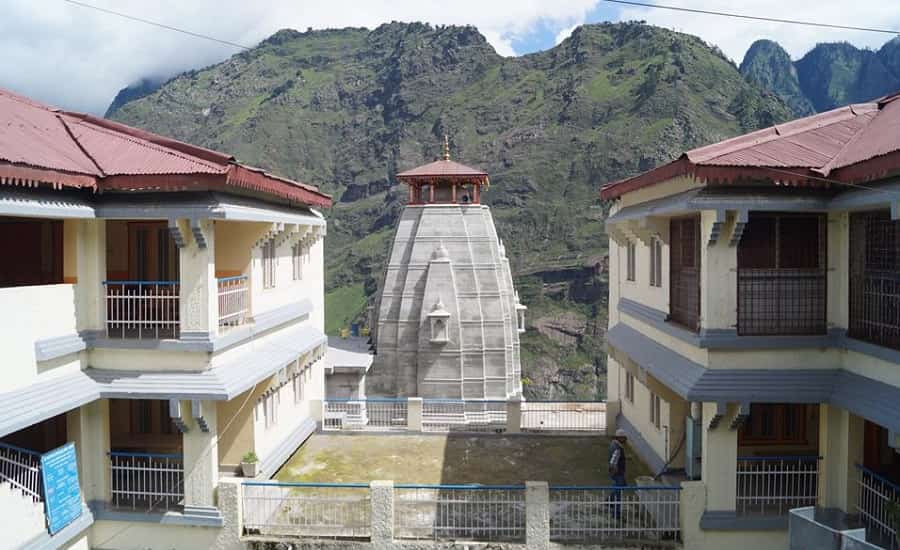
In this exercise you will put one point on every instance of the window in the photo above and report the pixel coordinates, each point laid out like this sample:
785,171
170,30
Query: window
874,280
298,253
629,387
782,274
630,258
268,263
775,423
655,262
269,403
684,272
298,386
37,249
655,408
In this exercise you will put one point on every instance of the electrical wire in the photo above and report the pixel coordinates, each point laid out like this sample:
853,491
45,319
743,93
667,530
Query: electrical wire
160,25
754,17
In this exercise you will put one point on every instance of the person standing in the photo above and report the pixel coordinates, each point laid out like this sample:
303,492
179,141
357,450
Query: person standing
617,470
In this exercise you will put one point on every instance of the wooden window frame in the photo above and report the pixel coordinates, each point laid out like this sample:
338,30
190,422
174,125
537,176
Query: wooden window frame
629,387
685,280
656,262
630,261
655,410
269,262
873,306
779,419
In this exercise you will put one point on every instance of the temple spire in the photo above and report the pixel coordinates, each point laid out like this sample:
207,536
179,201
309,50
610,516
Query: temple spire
446,147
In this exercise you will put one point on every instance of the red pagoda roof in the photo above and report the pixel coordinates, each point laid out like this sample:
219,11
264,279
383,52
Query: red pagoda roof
42,145
858,142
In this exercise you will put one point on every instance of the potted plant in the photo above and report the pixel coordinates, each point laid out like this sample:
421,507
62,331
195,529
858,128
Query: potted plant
250,464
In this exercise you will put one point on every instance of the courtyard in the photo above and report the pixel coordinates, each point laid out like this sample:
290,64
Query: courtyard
449,459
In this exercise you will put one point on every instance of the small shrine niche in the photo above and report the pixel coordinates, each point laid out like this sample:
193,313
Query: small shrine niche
520,314
439,318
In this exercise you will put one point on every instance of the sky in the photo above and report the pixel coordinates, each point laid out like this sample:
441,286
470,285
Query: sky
79,58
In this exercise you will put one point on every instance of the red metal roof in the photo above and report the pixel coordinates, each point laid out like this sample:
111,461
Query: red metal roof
444,169
842,143
45,145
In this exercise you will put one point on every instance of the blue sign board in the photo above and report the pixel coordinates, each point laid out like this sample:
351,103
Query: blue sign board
62,492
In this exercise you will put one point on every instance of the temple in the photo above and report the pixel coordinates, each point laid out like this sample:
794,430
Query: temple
448,317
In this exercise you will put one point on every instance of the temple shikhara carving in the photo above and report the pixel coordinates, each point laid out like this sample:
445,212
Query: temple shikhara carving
448,317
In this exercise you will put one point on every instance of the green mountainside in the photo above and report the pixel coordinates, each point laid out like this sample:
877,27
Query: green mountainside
828,76
347,109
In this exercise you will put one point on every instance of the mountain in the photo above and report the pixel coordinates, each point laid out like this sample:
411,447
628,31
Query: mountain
349,108
828,76
769,66
139,89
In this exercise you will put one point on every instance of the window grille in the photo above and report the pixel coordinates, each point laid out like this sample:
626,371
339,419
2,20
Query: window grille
684,272
875,278
782,275
268,263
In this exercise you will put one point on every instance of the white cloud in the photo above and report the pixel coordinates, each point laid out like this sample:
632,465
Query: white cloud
565,33
734,36
79,58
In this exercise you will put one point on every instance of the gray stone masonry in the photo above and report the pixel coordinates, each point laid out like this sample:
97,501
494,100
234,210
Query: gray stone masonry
446,321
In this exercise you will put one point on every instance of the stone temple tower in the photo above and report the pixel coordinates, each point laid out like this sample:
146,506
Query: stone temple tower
448,318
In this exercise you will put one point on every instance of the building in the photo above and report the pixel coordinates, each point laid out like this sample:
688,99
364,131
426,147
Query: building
754,324
449,319
164,313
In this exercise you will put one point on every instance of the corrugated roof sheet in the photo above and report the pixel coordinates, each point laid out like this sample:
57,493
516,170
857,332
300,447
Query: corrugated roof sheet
794,153
442,169
42,145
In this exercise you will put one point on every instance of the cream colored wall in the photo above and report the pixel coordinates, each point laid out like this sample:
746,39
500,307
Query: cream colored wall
35,313
150,359
694,353
838,269
693,504
640,289
286,289
671,187
236,436
665,438
718,285
234,242
289,413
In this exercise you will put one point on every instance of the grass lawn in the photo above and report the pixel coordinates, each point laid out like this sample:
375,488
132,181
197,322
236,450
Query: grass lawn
342,305
489,459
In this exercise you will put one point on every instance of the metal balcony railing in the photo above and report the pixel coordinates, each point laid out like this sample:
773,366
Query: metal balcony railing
21,470
781,301
877,501
144,310
146,481
365,415
773,485
234,300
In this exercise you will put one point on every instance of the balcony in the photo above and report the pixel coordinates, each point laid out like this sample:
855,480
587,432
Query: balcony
144,310
234,300
771,486
781,302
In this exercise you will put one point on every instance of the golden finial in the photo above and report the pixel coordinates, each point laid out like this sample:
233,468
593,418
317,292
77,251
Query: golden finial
446,147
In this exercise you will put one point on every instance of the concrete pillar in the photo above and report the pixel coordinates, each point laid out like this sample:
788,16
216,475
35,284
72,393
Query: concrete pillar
198,307
537,515
841,448
381,495
230,494
692,506
90,269
201,454
414,414
88,428
514,415
317,410
719,465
